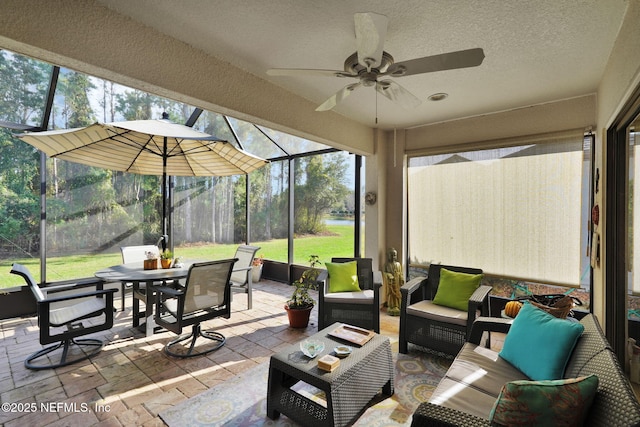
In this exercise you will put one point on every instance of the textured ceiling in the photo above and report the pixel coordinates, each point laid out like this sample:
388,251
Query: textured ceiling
535,51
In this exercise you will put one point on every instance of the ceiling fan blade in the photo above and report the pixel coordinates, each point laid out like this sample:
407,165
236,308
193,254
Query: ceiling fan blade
397,93
307,72
371,30
337,97
444,61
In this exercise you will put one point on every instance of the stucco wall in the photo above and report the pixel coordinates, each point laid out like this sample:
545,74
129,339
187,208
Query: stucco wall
574,113
621,78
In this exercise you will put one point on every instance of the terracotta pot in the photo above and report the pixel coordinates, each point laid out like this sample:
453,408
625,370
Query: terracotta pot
298,317
166,263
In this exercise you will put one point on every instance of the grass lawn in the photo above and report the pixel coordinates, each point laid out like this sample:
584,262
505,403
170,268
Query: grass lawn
337,242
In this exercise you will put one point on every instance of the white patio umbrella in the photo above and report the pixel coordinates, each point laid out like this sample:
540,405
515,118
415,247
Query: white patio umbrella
147,147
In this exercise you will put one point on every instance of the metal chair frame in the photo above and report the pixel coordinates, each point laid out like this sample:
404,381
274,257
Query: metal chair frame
86,305
132,254
241,277
176,308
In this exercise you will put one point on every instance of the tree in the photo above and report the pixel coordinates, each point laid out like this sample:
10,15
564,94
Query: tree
320,187
23,84
135,105
77,110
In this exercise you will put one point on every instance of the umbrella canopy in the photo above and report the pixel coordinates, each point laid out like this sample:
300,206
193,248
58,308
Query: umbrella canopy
147,147
143,147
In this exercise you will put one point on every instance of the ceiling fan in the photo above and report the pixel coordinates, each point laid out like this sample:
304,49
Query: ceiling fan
370,62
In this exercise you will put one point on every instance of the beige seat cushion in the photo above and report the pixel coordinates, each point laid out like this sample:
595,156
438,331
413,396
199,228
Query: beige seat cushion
362,297
63,315
454,395
474,380
439,313
484,369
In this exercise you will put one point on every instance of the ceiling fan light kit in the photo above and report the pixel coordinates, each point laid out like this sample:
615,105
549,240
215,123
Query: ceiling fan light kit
370,62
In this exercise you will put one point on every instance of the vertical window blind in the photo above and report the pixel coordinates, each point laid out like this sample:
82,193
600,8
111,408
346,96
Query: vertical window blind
514,212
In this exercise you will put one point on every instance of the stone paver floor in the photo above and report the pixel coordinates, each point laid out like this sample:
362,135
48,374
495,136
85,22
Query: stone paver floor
132,380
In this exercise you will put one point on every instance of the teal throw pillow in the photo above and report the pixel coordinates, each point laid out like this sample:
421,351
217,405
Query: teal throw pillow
539,344
563,402
343,276
455,289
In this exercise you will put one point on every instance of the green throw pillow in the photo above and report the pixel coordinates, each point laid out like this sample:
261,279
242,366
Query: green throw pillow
563,402
540,344
455,289
343,276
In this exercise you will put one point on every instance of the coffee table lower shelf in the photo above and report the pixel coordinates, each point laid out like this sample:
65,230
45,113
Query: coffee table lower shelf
348,389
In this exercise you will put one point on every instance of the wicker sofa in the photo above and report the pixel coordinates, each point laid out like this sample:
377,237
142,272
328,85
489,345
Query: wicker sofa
614,404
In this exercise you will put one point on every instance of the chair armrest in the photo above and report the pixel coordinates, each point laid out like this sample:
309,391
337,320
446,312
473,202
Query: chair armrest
65,285
411,286
241,269
322,276
480,295
377,279
478,300
78,296
321,282
488,324
167,290
428,414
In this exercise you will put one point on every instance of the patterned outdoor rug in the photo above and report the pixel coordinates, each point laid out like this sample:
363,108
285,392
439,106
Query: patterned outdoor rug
241,401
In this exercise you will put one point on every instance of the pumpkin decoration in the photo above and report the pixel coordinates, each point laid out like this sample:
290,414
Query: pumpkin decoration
512,308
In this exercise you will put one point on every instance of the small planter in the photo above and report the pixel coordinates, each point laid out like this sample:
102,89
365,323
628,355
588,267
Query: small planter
166,263
256,273
298,317
17,302
150,264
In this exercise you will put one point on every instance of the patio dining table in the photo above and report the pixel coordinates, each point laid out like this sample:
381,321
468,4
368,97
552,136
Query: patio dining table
136,274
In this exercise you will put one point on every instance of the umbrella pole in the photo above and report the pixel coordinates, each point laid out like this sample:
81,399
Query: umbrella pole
164,194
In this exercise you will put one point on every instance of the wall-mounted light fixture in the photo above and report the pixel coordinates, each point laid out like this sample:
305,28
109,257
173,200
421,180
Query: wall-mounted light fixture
370,198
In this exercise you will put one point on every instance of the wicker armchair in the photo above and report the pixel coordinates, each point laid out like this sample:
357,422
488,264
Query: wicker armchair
354,308
438,328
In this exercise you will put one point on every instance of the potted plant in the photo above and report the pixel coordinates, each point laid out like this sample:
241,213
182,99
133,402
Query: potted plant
301,303
151,262
165,258
256,268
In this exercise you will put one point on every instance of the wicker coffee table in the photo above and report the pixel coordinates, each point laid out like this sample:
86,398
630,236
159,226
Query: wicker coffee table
348,389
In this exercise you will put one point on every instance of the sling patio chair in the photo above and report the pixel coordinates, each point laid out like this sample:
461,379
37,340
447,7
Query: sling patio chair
131,254
205,295
68,311
241,277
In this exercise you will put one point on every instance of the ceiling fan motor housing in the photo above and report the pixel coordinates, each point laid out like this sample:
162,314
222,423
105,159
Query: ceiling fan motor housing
352,66
375,63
